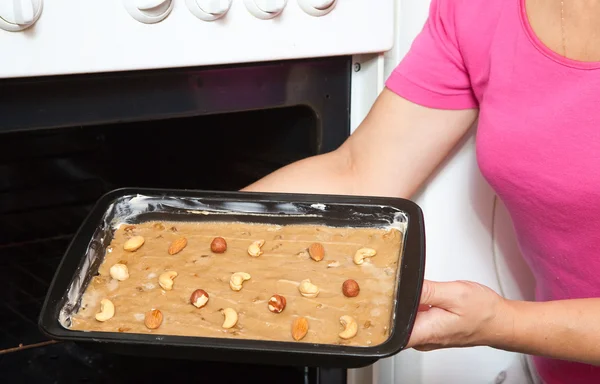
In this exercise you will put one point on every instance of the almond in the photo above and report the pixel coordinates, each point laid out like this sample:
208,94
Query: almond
316,251
153,319
299,328
177,245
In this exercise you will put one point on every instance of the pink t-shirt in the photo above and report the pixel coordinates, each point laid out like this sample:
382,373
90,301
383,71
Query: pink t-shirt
538,138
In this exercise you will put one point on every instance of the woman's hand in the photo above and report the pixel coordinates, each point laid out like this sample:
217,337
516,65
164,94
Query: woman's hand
458,314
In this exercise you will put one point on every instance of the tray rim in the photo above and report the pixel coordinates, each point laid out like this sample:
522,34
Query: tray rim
408,292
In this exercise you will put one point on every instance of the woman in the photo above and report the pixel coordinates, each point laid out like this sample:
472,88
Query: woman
529,70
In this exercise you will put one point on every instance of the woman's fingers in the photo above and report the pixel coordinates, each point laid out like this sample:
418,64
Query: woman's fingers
441,295
427,326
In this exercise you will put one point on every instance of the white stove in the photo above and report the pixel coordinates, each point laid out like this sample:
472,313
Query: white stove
60,37
69,36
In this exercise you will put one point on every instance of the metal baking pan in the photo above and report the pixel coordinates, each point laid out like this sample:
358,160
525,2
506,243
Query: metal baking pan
87,249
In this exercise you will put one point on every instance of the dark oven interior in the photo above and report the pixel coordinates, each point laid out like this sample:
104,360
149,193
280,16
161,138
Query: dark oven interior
66,140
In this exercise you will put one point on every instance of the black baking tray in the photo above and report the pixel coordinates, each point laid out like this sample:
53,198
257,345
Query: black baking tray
133,205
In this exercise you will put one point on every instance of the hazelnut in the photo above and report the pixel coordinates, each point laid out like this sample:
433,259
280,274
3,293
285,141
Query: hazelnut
199,298
276,303
350,288
316,251
218,245
153,319
119,272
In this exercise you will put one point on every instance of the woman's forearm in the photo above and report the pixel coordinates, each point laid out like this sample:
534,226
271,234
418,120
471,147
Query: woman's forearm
393,151
564,329
329,173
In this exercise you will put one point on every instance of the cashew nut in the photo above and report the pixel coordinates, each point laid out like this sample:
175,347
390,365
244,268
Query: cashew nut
166,280
350,327
307,289
119,272
231,318
107,310
237,279
254,249
362,254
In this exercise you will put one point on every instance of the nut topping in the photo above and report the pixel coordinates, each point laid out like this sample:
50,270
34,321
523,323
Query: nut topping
350,327
153,319
134,243
165,280
107,310
333,264
254,249
276,303
177,245
362,254
316,251
307,289
119,272
218,245
237,279
299,328
231,318
350,288
199,298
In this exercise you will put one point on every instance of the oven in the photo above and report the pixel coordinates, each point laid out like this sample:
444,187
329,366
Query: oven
179,94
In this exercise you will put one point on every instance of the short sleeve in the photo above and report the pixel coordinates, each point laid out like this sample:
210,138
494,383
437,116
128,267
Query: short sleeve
433,73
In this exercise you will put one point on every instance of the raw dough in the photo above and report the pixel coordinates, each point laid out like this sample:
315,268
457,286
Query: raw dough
279,269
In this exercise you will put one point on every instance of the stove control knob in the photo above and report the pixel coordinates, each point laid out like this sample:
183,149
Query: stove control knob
17,15
265,9
148,11
317,7
208,10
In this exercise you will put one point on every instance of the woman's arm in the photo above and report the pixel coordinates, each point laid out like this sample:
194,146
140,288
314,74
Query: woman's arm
464,314
563,329
391,153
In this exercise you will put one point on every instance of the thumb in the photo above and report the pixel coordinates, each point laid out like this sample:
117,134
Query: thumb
441,295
